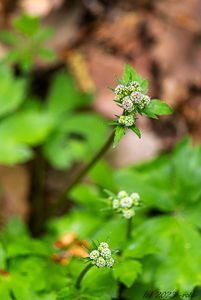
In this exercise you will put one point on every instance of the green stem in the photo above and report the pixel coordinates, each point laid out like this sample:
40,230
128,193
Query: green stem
129,228
75,180
81,276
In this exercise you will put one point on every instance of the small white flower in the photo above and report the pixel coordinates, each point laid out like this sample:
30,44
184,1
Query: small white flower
115,203
94,254
128,213
127,104
137,97
100,262
126,202
109,262
122,194
136,198
106,253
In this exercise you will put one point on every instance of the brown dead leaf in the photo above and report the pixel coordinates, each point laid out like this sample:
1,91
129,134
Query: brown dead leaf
66,240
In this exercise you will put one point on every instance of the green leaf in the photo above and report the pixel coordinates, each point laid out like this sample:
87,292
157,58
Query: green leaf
64,95
136,130
12,91
12,153
157,107
47,53
17,128
104,286
177,258
130,74
74,140
4,292
127,271
27,25
9,38
2,257
144,86
119,133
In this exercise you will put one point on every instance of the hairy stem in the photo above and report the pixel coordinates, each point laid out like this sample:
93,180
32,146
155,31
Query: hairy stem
75,180
81,276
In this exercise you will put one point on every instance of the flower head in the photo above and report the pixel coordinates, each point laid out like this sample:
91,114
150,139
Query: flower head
106,253
137,97
125,204
127,104
127,120
102,257
121,91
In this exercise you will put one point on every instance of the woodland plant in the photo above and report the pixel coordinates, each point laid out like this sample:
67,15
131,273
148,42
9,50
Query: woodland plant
160,252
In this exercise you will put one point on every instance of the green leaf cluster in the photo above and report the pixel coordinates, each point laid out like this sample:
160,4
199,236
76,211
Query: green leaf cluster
27,41
55,125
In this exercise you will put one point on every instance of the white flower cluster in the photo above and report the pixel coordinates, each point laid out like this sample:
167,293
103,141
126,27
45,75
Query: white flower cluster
125,204
102,257
132,99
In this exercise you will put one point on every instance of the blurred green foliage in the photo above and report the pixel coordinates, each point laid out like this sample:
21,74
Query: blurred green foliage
27,40
163,253
27,122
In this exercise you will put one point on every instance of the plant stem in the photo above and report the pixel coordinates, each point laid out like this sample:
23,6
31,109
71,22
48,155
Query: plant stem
37,194
129,228
75,180
82,274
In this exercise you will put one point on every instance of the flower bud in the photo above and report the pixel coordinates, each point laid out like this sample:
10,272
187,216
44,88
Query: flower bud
115,203
122,194
136,198
128,213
